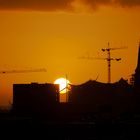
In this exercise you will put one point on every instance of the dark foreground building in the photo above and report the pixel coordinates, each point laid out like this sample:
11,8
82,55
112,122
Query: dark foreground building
94,96
35,98
137,74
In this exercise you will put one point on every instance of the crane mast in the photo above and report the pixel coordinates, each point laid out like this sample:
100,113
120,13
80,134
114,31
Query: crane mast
109,65
109,59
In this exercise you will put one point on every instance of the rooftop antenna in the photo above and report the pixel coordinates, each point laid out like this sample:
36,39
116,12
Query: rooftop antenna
97,77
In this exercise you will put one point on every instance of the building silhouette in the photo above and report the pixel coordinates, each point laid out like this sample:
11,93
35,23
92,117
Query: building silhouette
88,91
103,99
137,74
35,98
92,100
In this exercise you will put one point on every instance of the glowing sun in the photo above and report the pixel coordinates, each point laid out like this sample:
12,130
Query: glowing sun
63,85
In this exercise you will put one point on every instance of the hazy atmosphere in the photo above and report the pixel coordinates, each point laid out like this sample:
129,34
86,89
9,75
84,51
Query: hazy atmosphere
53,34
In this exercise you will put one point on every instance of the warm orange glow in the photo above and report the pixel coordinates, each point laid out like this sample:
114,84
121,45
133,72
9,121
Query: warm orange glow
63,85
55,40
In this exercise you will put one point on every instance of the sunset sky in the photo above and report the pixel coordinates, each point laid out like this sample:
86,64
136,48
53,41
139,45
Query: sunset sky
52,34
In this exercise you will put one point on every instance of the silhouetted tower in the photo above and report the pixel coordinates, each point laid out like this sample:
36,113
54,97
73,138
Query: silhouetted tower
109,59
137,73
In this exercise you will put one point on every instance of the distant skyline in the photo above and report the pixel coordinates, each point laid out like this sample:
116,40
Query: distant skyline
52,34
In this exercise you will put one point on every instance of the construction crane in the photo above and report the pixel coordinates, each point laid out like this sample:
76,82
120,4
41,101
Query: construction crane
108,59
23,71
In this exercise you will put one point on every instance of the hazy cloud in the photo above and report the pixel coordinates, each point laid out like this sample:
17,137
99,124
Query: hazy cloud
122,3
52,5
130,3
95,3
46,5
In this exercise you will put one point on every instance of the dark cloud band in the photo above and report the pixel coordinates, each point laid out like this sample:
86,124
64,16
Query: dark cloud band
52,5
128,3
122,3
46,5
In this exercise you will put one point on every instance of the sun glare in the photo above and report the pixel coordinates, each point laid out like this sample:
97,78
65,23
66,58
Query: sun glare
63,83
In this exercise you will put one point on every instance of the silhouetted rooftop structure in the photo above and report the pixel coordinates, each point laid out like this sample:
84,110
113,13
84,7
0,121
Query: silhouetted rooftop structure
137,74
86,92
93,95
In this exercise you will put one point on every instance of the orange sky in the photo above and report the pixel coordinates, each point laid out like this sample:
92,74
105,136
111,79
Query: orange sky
55,39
